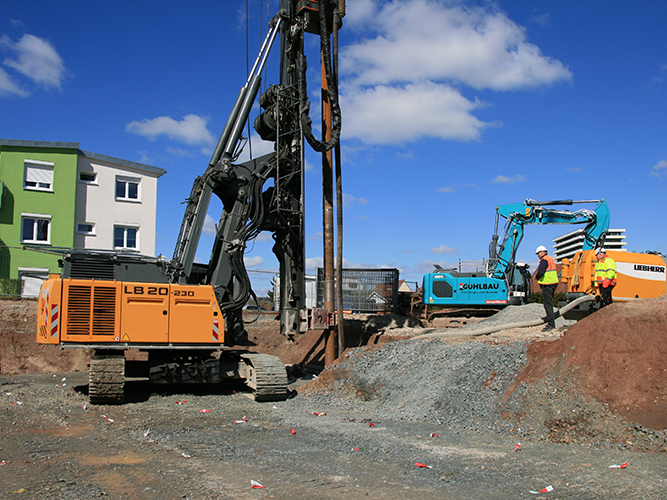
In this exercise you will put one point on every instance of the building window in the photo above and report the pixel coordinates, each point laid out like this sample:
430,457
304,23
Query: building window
125,237
127,189
35,228
85,228
38,175
88,177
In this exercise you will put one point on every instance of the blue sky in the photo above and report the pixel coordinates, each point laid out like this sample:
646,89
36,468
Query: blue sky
449,109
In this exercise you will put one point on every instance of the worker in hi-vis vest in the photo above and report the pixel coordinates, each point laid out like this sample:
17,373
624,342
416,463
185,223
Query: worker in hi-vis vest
605,276
547,277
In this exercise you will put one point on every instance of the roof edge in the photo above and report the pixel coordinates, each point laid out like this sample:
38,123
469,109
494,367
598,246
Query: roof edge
127,163
39,144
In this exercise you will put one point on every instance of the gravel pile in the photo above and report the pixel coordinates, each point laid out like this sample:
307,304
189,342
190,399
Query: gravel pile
517,314
455,385
460,385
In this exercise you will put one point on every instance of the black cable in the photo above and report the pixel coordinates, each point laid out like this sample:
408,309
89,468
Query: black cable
332,91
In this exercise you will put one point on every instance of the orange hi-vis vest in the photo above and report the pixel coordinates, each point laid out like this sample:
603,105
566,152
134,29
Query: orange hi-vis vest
550,276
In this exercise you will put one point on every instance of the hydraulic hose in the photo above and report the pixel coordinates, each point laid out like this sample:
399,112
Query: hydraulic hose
497,328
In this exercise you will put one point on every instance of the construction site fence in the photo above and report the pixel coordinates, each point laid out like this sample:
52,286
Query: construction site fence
364,290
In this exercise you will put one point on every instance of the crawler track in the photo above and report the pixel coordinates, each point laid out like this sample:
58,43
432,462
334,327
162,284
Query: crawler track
267,377
106,379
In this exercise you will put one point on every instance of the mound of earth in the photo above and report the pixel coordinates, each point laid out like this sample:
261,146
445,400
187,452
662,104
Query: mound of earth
19,351
615,360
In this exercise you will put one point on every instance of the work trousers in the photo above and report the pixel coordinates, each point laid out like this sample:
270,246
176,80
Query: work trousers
548,301
605,295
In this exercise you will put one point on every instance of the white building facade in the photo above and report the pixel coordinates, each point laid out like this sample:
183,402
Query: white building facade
116,203
567,245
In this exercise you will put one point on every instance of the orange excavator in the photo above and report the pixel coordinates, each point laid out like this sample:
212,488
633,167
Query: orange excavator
639,276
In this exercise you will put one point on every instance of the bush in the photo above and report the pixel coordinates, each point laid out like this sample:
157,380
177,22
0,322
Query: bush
11,287
536,297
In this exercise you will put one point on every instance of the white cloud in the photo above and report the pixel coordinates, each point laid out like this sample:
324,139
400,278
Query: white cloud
447,189
209,226
418,40
401,81
313,263
394,115
573,169
264,236
656,172
190,130
349,200
442,249
34,58
502,179
428,266
8,87
258,146
253,261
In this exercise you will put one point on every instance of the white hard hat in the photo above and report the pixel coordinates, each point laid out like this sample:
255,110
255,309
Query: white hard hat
540,249
600,250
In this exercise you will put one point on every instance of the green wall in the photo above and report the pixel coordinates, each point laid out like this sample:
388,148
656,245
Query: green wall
16,200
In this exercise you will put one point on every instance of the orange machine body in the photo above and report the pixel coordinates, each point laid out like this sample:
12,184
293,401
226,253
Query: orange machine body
127,313
639,275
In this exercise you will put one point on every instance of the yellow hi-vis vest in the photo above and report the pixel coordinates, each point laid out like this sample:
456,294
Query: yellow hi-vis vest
605,269
550,276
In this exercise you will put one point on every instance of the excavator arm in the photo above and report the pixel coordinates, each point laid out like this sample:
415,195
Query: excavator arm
502,255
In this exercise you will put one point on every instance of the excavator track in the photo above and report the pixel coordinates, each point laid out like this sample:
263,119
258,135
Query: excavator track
106,379
266,375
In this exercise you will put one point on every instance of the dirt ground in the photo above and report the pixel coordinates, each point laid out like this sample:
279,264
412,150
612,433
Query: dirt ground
176,442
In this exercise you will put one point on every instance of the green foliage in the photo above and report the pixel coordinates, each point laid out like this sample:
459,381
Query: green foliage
11,287
271,292
536,297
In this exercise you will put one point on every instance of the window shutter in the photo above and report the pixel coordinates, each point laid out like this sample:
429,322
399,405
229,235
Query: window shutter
39,174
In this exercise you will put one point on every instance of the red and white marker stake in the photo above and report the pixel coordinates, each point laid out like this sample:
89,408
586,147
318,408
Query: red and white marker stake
423,466
516,448
255,484
622,466
543,490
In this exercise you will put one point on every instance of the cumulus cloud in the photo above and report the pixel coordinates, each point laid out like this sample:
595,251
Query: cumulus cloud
34,58
503,179
419,40
442,249
402,81
659,169
447,189
190,130
253,261
393,115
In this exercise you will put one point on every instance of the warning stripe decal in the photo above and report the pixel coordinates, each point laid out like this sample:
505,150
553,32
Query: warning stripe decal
215,330
54,320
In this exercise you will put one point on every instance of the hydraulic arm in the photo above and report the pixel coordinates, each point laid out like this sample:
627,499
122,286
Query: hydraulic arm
502,256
